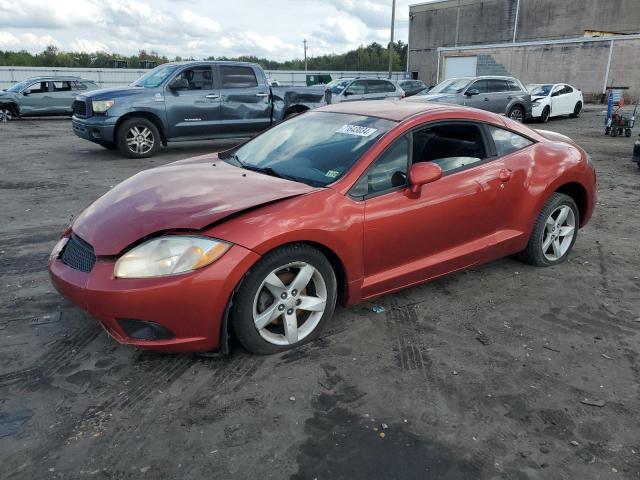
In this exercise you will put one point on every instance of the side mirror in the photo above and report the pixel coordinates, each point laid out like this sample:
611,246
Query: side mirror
26,93
179,84
471,92
423,173
347,93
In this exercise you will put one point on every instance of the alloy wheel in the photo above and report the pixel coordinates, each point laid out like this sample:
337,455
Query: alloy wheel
290,303
577,110
516,114
557,237
5,115
140,139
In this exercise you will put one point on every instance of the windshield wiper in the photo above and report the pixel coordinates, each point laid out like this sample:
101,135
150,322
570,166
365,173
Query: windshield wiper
233,159
269,171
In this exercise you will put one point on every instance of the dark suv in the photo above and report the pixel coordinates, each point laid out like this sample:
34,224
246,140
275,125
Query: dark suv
505,95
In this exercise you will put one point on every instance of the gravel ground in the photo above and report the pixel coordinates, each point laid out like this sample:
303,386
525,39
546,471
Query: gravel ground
479,375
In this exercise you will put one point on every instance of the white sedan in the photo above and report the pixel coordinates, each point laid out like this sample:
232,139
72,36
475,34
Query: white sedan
551,100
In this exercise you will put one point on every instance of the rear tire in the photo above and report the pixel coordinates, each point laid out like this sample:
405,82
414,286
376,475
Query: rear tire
516,113
284,300
550,243
138,138
577,110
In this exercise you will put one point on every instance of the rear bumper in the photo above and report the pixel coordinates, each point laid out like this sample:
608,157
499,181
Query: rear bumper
191,306
97,129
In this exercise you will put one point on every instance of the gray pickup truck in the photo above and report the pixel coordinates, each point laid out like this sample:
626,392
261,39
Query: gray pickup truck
187,101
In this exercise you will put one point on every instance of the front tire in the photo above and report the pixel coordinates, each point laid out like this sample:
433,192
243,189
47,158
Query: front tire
546,113
284,300
516,113
577,110
138,138
5,114
554,232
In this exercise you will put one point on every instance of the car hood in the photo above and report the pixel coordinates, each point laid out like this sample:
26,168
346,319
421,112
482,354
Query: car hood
190,194
537,97
434,97
116,92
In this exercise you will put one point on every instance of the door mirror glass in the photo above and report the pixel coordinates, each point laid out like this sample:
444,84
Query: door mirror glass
179,84
423,173
26,93
472,91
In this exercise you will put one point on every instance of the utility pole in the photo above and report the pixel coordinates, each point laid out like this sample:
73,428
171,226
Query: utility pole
304,42
393,21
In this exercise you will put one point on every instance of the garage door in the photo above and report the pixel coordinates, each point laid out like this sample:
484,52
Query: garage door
460,67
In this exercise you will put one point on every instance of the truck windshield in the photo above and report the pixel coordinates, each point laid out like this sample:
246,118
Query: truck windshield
155,77
316,148
455,85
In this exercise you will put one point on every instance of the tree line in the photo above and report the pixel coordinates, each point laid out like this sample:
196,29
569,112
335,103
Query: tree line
372,57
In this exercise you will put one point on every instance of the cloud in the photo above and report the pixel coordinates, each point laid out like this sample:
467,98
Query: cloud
198,24
88,46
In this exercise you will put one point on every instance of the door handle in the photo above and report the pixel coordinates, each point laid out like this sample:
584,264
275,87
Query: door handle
486,99
505,175
262,94
212,96
509,97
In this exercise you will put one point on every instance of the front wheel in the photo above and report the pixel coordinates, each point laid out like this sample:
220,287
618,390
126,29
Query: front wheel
516,113
284,300
5,114
627,132
577,110
554,232
546,113
138,138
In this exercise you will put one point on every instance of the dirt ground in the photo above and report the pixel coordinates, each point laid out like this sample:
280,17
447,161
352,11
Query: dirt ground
480,375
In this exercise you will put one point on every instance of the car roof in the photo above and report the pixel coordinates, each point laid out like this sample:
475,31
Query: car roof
58,78
395,110
484,77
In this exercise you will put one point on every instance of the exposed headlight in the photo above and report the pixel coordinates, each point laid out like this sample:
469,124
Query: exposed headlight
102,106
57,248
169,255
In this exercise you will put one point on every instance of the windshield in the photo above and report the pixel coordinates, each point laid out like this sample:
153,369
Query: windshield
155,77
424,91
18,87
316,148
539,90
337,86
454,85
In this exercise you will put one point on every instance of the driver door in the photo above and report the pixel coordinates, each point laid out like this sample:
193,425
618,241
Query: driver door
37,98
448,226
192,100
481,100
355,91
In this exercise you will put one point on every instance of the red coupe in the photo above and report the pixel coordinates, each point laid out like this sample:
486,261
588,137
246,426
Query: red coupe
346,203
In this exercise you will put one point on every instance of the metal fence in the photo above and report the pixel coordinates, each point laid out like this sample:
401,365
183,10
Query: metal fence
113,77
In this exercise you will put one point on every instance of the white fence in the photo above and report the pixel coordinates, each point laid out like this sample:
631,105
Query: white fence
113,77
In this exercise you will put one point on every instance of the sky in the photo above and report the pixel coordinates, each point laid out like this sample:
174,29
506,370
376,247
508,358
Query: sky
273,29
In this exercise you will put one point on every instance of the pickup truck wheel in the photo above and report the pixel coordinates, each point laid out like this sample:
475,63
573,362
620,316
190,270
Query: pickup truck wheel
138,138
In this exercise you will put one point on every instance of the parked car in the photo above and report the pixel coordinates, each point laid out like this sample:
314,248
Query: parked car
552,100
505,95
42,96
412,87
353,89
187,101
346,202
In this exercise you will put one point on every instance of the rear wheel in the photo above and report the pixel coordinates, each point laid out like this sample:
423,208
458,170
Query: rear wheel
284,300
627,132
516,113
577,110
138,138
554,232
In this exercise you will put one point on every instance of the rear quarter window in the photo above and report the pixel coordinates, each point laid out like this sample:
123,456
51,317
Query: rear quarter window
238,77
507,142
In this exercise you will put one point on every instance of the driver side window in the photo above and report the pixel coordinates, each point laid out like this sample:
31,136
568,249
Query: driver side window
195,78
388,171
356,88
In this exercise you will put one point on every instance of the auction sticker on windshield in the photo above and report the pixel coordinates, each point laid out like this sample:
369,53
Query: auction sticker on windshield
357,130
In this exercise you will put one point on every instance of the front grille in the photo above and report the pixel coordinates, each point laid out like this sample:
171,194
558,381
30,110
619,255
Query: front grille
80,108
78,254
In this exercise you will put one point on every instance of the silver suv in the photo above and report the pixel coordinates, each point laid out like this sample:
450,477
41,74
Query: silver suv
505,95
352,89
